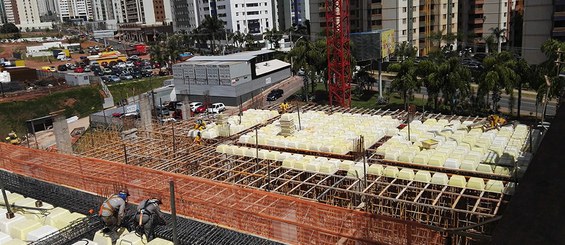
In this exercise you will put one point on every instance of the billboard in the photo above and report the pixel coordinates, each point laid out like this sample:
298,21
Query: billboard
372,45
387,43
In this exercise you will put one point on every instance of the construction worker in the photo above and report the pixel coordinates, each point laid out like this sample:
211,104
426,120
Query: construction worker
198,139
113,211
283,107
13,138
148,216
200,125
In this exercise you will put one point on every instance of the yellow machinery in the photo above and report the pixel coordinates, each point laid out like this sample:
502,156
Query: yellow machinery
13,138
283,107
492,122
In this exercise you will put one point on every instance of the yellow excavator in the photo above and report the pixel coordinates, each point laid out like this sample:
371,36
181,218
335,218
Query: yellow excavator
13,138
491,122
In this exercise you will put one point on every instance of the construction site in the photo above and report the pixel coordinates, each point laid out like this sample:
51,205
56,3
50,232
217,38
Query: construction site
313,175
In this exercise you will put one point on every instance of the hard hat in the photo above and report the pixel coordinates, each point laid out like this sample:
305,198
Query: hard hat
156,200
124,194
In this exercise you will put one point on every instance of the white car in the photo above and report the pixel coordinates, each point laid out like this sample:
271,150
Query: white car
216,108
194,105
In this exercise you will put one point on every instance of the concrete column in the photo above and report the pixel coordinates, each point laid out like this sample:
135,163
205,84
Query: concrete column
185,109
145,112
62,134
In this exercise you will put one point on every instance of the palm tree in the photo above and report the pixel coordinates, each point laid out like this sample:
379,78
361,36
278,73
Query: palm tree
406,80
427,71
273,36
213,27
311,57
498,74
499,34
238,38
405,50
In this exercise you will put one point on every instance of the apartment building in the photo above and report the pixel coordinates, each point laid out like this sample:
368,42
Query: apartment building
24,14
146,12
184,14
292,12
413,21
480,19
75,10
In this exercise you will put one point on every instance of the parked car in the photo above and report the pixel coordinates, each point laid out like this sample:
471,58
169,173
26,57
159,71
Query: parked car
162,111
79,70
200,109
107,71
275,94
194,105
87,69
126,76
62,68
114,79
217,108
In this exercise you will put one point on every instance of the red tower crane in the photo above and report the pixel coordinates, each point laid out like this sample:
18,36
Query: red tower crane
338,52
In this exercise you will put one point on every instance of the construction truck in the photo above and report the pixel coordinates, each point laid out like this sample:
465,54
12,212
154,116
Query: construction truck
491,122
13,138
283,107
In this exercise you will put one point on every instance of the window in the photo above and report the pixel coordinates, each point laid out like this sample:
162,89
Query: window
444,5
253,13
404,10
403,32
236,13
404,21
222,7
251,5
221,15
444,16
236,5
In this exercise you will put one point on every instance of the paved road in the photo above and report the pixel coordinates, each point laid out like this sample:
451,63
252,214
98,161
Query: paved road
528,101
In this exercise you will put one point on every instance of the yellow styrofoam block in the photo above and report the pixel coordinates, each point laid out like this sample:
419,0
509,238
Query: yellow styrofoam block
85,241
436,160
4,238
375,169
313,166
32,214
159,241
56,216
501,170
391,171
6,223
222,148
131,239
13,197
457,181
406,157
406,174
327,168
346,165
21,228
102,238
495,186
423,176
41,232
439,179
357,170
485,168
301,164
15,242
476,183
452,163
469,165
288,163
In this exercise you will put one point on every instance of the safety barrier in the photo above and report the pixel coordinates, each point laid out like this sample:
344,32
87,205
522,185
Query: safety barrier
274,216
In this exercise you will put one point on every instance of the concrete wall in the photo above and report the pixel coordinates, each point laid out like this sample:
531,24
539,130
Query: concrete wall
537,29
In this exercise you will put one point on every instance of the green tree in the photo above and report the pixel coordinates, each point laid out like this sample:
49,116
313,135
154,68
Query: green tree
498,75
273,36
213,27
498,33
406,80
405,50
238,39
9,28
311,58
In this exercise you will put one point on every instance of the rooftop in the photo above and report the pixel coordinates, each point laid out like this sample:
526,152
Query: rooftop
270,66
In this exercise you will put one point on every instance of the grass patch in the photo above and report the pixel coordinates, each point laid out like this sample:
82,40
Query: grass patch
81,102
121,91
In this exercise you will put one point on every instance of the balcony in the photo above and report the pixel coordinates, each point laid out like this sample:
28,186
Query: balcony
376,16
479,1
477,11
478,30
560,30
478,21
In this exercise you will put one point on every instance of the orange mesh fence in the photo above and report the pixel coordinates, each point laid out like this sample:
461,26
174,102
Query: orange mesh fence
274,216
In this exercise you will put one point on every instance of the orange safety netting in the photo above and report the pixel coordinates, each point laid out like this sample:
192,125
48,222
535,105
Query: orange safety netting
274,216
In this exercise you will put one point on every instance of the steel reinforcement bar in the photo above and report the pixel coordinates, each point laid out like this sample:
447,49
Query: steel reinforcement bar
274,216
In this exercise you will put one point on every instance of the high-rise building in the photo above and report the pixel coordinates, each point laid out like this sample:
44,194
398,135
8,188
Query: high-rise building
146,12
414,21
75,10
539,26
292,12
480,19
24,14
184,15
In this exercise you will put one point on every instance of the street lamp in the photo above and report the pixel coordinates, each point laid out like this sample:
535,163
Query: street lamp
4,78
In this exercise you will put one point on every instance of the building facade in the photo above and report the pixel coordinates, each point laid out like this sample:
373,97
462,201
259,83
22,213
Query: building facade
146,12
75,10
481,18
24,14
413,21
538,27
184,15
